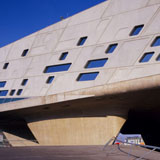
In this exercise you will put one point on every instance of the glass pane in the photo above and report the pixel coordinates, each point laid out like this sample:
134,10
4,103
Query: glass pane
111,48
136,30
57,68
2,84
87,76
146,57
3,92
81,41
63,56
50,79
156,42
96,63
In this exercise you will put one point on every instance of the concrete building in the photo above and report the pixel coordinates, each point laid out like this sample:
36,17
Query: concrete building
78,81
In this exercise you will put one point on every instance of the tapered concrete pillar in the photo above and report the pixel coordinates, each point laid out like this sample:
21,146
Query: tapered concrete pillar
76,131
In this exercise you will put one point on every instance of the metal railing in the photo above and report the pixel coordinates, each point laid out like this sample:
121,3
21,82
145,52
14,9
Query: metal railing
151,148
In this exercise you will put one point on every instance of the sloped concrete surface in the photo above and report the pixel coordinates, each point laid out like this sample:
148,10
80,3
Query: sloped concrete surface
114,152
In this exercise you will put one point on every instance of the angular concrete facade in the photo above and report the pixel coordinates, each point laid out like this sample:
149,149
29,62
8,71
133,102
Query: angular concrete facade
75,81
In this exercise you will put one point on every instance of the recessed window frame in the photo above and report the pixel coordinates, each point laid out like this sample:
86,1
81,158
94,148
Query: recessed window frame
157,39
2,84
57,68
19,92
158,58
81,76
12,92
111,48
142,59
63,56
96,63
24,82
81,41
136,30
50,79
24,53
5,66
3,92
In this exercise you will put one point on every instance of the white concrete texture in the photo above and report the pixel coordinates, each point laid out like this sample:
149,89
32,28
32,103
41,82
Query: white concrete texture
107,23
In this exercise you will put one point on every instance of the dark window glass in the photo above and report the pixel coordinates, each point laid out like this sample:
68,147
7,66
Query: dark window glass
3,92
96,63
146,57
24,82
63,56
87,76
81,41
24,53
5,66
2,84
12,92
156,42
50,79
57,68
158,58
6,100
111,48
136,30
2,100
17,99
19,92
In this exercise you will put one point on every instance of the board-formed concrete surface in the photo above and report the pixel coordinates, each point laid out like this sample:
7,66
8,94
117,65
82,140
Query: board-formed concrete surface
116,152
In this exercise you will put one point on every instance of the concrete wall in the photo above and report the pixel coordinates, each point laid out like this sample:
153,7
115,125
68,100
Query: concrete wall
107,23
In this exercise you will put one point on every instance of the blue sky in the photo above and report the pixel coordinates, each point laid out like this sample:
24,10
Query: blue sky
19,18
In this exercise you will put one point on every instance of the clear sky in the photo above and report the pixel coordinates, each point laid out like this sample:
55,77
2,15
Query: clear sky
19,18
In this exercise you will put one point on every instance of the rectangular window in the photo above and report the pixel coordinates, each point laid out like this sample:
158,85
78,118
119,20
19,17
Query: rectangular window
81,41
158,58
63,56
5,66
24,53
12,92
111,48
156,42
87,76
50,79
57,68
2,84
19,92
136,30
24,82
3,92
96,63
146,57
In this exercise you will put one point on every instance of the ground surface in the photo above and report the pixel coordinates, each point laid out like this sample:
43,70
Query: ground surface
77,153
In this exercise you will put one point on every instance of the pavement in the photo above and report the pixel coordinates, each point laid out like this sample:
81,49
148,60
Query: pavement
113,152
